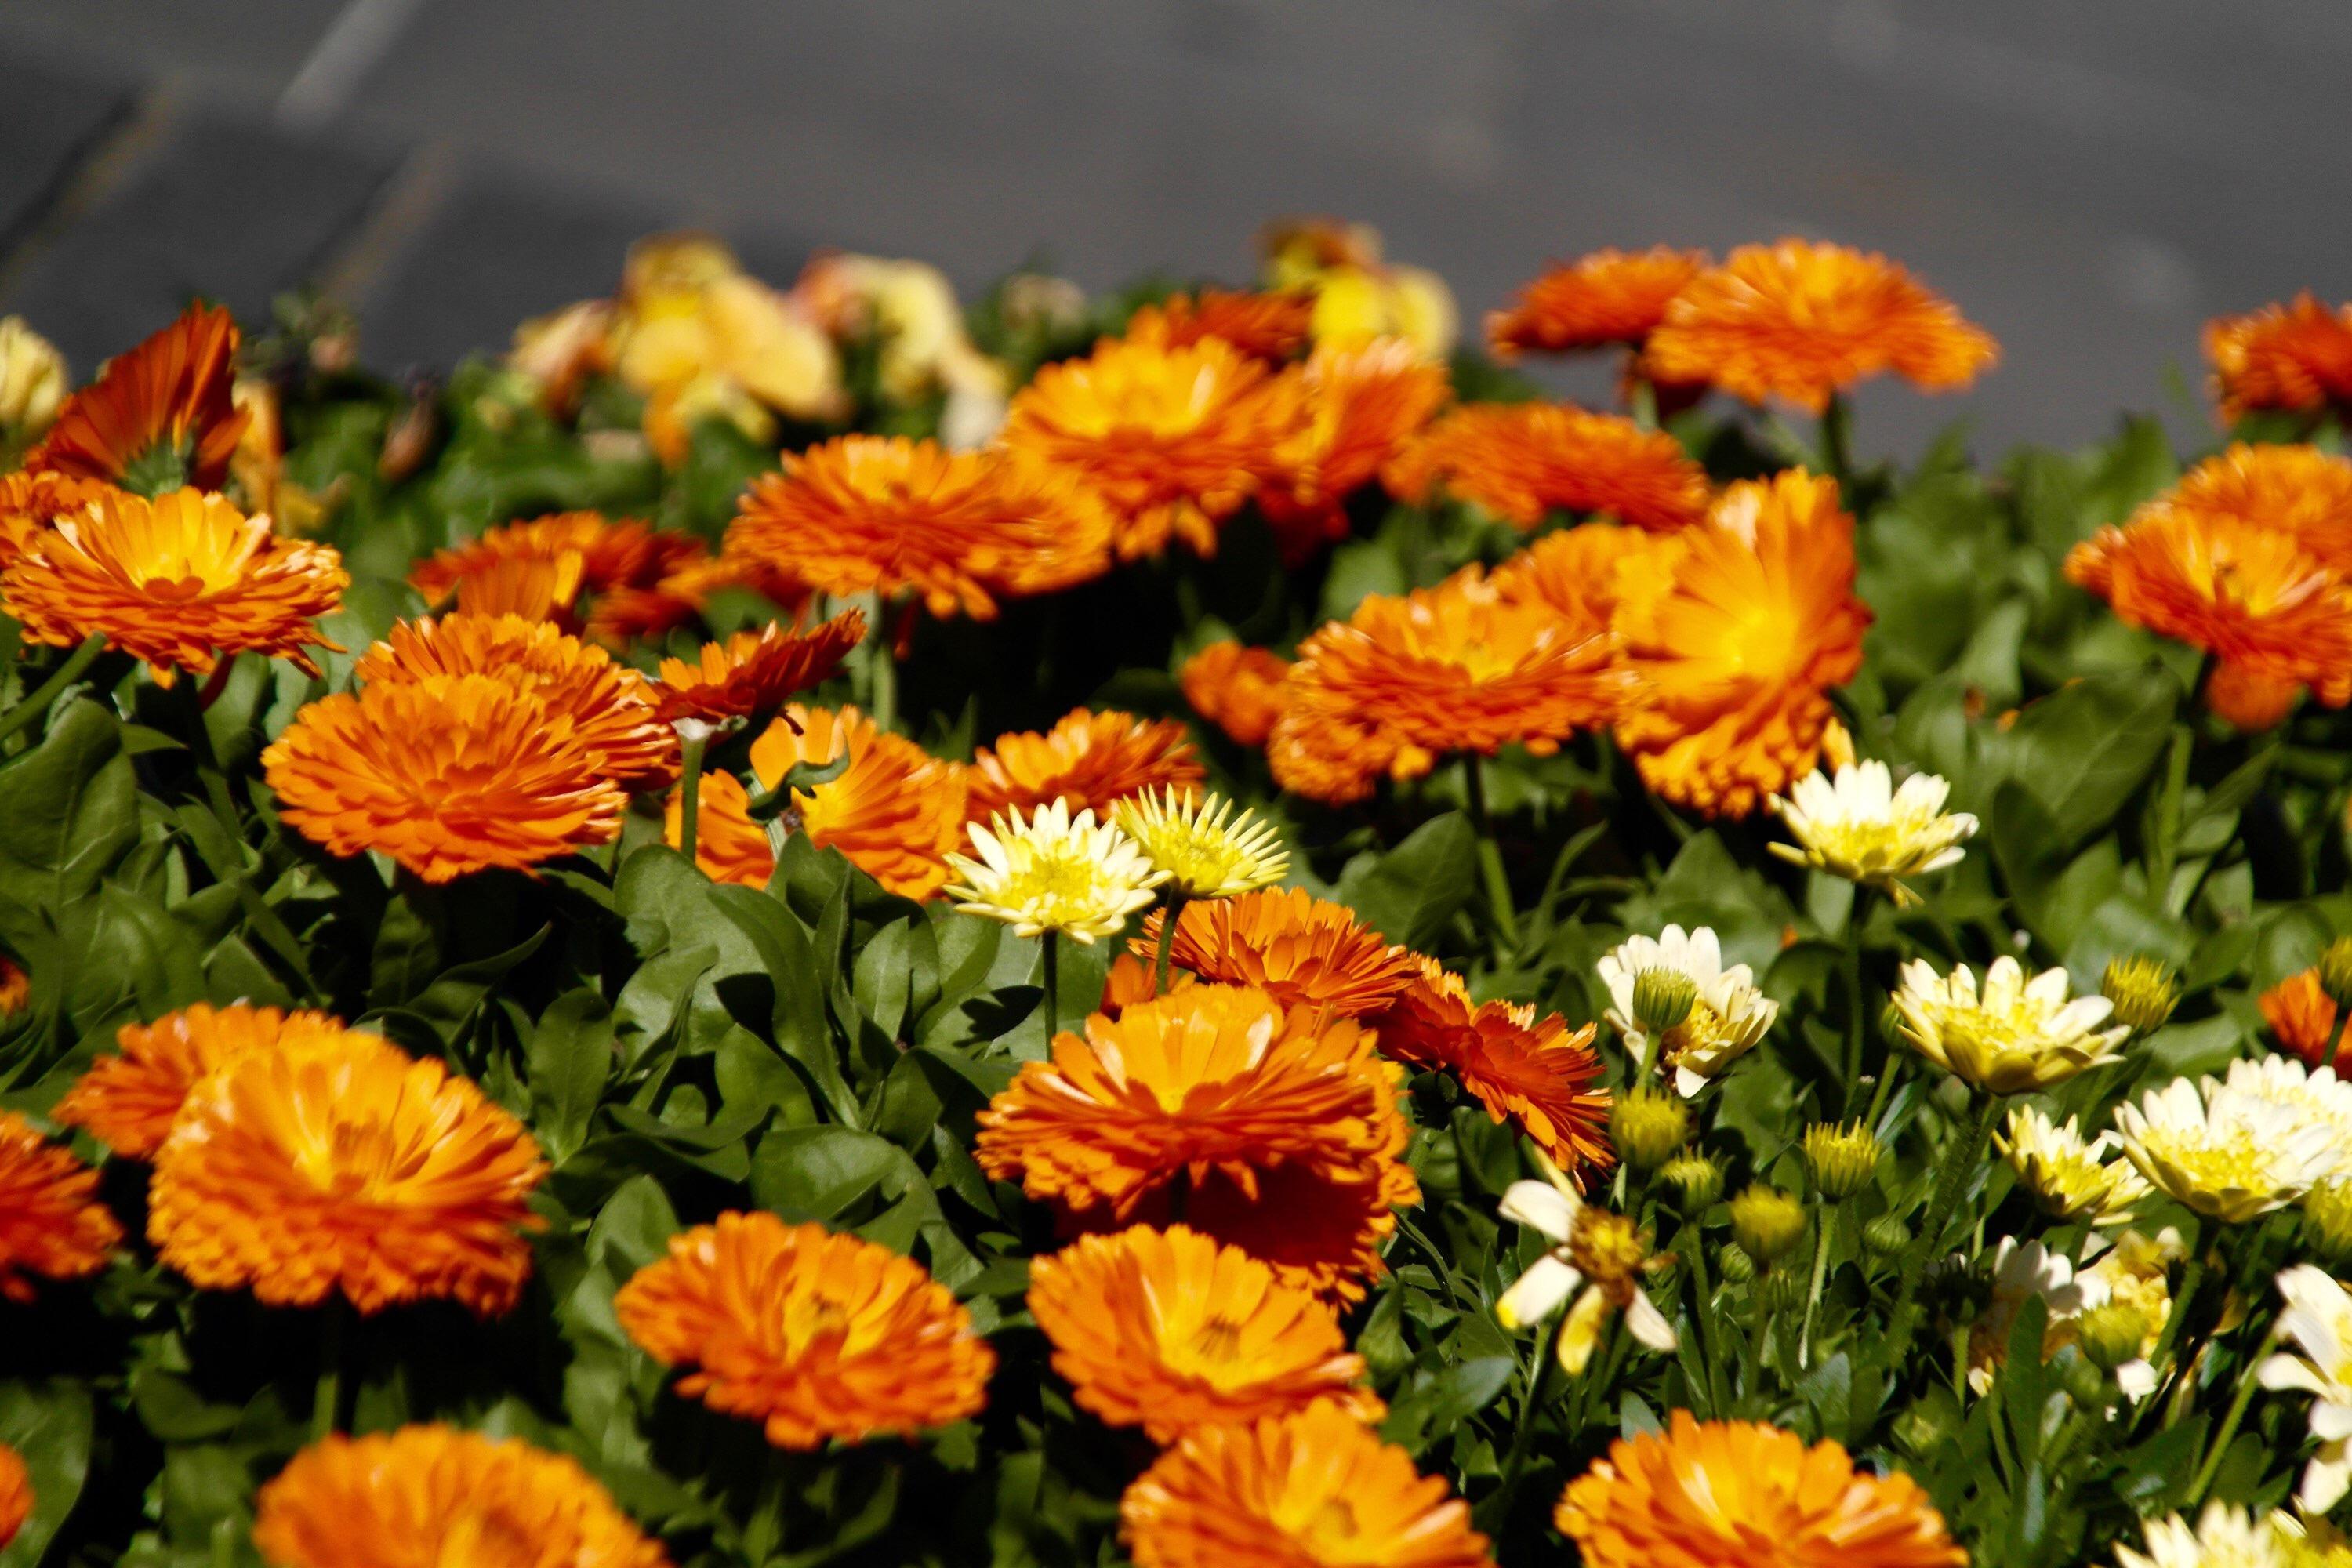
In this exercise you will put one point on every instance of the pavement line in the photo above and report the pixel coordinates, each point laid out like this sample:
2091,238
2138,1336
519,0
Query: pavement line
346,52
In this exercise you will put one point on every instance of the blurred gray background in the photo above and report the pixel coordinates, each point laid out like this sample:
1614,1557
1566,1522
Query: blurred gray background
2089,179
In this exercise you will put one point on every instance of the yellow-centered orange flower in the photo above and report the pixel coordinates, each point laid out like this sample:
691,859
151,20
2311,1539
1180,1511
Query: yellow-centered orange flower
1088,761
2296,358
1267,323
868,513
52,1226
433,1497
1608,298
1538,1075
1738,1494
1525,460
447,774
1174,439
816,1335
609,705
1577,572
128,1102
753,672
1457,667
1236,688
2301,1015
538,568
160,416
16,1498
1316,1489
1733,634
1168,1330
1801,320
2299,490
1361,404
1302,951
176,582
345,1165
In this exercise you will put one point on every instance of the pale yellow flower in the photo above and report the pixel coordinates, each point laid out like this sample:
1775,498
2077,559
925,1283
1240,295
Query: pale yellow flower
2314,1097
2224,1536
2318,1320
2074,1179
2020,1272
1206,850
1726,1020
1603,1254
1051,872
2137,1272
32,379
2015,1036
1856,825
2231,1155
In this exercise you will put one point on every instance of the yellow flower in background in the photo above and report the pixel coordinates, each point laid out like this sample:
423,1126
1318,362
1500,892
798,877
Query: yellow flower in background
2318,1320
2136,1273
1051,872
2224,1536
1206,850
1856,825
1605,1254
2020,1272
2229,1156
32,380
2072,1179
1358,296
2013,1037
909,309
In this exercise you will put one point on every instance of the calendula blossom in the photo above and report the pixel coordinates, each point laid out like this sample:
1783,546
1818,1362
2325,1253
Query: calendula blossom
2226,1155
2075,1180
1206,850
2014,1036
1050,872
1603,1254
2224,1536
1727,1018
1856,825
2318,1321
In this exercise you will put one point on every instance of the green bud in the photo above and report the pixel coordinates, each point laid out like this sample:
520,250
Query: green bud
2327,1222
2085,1384
1766,1222
1782,1290
1698,1178
2336,971
2112,1335
1840,1160
1927,1427
2144,990
1886,1235
1735,1266
1663,998
1649,1127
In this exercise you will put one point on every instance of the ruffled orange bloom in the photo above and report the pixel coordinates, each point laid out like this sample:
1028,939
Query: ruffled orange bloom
609,705
16,987
1535,1074
2250,699
15,1493
1457,667
1087,761
129,1101
31,501
2301,1015
50,1224
1734,632
538,568
1236,688
728,845
2249,595
1268,323
447,774
1316,1489
1299,949
1167,1330
345,1164
817,1335
161,416
1738,1494
1174,439
868,513
753,672
1525,460
176,582
1131,980
1279,1130
2292,490
433,1497
1361,404
1606,300
1577,572
1801,320
2296,358
535,588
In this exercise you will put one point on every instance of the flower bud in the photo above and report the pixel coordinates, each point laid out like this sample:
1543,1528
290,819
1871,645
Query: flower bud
1649,1127
1886,1235
2336,971
2327,1222
1698,1178
32,380
1766,1222
2144,990
1735,1266
1663,998
2085,1384
1783,1290
1927,1427
2112,1335
1840,1160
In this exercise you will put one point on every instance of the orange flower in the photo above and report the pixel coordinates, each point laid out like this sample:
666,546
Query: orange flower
1237,689
176,582
535,588
2295,357
1296,947
1538,1074
868,513
728,845
1733,634
632,614
1167,1330
753,672
1738,1494
609,705
15,1494
1801,320
129,1101
159,416
1174,439
425,1496
1457,667
344,1164
1268,324
1088,761
818,1335
447,774
31,501
1361,404
16,987
581,551
2301,1014
1130,981
2298,490
1601,300
1577,572
1282,1129
1525,461
50,1224
1307,1490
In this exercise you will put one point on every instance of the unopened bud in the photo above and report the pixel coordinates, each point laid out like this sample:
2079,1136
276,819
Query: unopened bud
2086,1385
2327,1222
2336,971
1649,1127
1696,1178
1782,1290
1663,999
2144,990
1840,1160
1766,1222
2112,1335
1927,1427
1885,1236
1737,1266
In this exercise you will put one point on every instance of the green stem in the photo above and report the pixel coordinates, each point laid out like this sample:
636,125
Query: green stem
1490,854
1760,1330
2247,1384
1539,1384
690,788
1050,961
207,760
2192,1280
1966,1151
1642,398
1175,907
326,1400
2335,1036
1710,1334
1837,439
49,690
1820,1275
2165,852
1886,1076
1853,1024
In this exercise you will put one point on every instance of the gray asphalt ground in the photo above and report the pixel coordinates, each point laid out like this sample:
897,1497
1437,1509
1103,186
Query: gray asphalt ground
2089,179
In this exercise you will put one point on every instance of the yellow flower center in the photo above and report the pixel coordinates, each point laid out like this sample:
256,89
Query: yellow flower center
1607,1248
2238,1160
1696,1035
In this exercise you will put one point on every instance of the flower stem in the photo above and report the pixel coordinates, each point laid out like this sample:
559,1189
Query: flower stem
690,788
1710,1335
1641,400
1050,961
1837,433
1539,1384
1174,908
1820,1275
2335,1037
1966,1151
1490,854
1759,1332
1853,1022
2247,1384
326,1401
31,709
1886,1076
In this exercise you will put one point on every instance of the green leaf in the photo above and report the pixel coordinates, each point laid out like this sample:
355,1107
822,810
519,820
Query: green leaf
2081,752
820,1173
50,1426
569,1057
1410,891
68,812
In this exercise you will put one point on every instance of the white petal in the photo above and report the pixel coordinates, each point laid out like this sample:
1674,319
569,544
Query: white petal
1649,1325
1542,1206
2326,1479
1537,1294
